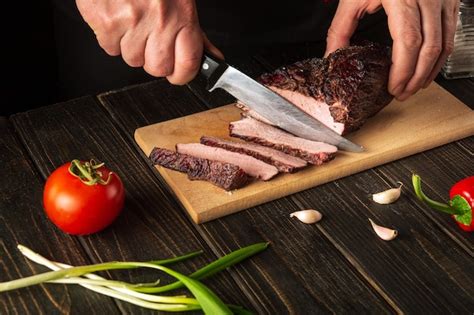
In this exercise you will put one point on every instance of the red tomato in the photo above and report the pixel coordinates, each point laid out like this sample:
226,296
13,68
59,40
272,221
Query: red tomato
78,207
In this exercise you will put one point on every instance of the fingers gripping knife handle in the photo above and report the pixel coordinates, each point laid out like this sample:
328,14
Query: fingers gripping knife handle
212,68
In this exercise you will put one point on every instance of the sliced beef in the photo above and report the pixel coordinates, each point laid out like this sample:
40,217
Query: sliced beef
250,165
224,175
282,161
250,112
256,131
342,90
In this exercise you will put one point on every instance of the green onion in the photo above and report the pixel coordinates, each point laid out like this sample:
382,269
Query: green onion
209,302
174,260
147,297
212,268
151,305
204,299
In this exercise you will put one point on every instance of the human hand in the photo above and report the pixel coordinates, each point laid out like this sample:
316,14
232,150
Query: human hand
422,33
163,37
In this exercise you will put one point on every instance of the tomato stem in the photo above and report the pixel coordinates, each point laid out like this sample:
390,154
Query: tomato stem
88,172
84,172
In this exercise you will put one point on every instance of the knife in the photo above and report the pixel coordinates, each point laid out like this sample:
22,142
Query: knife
269,104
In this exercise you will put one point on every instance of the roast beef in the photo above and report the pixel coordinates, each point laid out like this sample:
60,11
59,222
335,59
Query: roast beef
224,175
256,131
250,112
250,165
341,91
282,161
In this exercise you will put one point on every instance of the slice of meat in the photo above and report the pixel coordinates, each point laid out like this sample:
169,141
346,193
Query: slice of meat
341,91
256,131
282,161
250,112
224,175
250,165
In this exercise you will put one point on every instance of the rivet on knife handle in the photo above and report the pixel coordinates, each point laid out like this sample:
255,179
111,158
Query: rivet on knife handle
212,68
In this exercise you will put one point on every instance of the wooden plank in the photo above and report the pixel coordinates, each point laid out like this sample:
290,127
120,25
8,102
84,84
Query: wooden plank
438,159
439,169
452,165
402,301
462,88
300,273
397,131
22,221
266,220
422,271
148,99
152,224
467,145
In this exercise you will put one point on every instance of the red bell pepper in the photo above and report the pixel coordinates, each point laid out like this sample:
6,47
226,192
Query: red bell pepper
461,202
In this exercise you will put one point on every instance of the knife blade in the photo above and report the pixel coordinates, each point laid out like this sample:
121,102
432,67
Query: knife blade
269,104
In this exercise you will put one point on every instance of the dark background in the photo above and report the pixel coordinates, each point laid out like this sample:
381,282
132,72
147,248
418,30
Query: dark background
52,54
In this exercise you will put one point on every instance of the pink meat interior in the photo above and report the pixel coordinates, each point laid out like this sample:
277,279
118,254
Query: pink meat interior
250,165
312,107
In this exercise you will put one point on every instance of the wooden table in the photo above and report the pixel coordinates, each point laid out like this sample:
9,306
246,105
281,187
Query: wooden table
337,266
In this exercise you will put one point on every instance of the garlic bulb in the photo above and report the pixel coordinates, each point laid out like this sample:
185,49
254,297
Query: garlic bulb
388,196
307,216
384,233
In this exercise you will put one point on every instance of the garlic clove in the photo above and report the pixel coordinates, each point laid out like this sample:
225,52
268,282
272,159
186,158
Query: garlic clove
384,233
309,216
388,196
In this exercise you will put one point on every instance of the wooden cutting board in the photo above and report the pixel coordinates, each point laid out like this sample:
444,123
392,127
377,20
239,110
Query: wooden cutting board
431,118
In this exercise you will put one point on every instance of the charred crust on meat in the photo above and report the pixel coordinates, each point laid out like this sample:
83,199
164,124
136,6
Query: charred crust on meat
224,175
352,81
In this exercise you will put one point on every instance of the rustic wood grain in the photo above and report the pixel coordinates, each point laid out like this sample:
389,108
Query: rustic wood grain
451,163
152,224
422,271
437,255
302,273
429,262
397,131
299,273
439,169
462,88
22,221
461,163
155,101
336,266
467,145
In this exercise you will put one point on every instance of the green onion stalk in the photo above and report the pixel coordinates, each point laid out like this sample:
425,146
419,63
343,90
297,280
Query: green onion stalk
138,294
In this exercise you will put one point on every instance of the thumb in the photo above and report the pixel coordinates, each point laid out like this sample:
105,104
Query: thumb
213,50
343,25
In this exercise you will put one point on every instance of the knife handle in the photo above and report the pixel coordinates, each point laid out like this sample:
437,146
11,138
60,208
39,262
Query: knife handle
211,69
